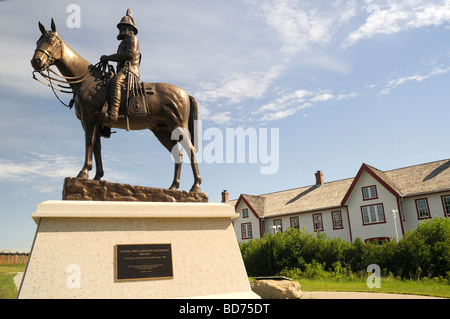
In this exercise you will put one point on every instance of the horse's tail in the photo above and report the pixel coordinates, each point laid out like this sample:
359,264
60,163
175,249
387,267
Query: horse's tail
193,123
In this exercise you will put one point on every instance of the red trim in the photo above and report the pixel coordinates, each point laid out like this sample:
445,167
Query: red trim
426,194
443,205
298,221
281,224
363,168
374,239
241,198
242,228
321,221
349,225
428,208
243,212
376,192
261,221
400,215
369,224
332,220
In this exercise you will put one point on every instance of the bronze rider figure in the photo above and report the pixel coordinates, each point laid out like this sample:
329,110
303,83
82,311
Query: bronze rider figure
128,58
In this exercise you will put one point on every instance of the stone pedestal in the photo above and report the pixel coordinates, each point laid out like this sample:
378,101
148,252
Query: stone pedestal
74,256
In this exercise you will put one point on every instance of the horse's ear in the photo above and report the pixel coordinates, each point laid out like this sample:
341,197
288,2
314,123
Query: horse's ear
53,25
42,28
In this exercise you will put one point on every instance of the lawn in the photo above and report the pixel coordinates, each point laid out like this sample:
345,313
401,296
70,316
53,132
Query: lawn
388,285
8,289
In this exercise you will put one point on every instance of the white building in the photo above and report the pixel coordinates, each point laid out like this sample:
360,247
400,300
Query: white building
373,206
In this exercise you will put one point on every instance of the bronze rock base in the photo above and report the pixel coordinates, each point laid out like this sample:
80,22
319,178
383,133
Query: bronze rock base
92,190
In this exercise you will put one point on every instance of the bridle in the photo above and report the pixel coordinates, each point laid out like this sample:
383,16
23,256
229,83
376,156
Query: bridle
54,83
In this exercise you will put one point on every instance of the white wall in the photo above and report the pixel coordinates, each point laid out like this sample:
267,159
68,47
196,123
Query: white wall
435,207
306,223
237,222
385,197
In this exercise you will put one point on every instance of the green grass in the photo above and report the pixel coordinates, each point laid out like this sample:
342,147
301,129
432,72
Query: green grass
8,289
388,285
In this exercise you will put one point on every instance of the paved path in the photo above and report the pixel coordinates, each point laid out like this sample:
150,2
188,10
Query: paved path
18,279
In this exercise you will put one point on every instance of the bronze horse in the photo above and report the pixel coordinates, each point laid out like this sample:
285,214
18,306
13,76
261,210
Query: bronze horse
172,118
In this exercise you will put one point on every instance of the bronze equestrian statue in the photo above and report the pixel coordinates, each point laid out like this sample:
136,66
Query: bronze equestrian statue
167,110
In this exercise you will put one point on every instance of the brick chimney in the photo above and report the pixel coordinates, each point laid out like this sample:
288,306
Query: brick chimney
224,196
319,178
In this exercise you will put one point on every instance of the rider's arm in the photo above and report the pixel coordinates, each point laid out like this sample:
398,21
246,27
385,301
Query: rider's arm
123,56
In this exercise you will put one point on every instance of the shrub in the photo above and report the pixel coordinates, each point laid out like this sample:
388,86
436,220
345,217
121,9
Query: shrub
424,251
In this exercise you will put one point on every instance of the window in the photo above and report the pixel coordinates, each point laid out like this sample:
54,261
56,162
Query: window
245,213
246,230
369,192
294,222
446,203
317,220
277,226
337,220
373,214
377,240
422,208
263,227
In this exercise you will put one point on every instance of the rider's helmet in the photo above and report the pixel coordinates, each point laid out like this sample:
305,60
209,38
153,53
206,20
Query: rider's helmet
128,20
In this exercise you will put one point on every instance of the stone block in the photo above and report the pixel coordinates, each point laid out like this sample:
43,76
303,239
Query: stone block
91,190
277,289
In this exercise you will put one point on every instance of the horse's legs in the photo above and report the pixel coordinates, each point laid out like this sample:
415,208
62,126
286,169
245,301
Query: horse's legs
184,137
89,134
98,156
164,137
178,158
195,171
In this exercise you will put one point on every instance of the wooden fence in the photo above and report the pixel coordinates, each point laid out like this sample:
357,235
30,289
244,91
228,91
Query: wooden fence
13,258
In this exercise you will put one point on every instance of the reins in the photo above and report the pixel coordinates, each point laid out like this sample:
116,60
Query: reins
70,80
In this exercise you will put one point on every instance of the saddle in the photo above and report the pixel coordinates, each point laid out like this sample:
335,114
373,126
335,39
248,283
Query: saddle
134,101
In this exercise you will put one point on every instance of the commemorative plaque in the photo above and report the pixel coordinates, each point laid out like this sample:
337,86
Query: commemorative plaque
144,262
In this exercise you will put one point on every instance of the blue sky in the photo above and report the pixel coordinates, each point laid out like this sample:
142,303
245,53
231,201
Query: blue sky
342,82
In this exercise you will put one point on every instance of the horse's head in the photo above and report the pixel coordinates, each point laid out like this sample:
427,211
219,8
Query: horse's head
48,48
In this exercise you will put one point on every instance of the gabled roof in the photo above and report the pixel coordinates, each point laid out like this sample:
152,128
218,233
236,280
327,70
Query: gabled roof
380,176
408,181
255,203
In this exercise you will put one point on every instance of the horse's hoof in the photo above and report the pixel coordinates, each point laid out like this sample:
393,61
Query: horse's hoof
83,175
195,189
174,186
98,177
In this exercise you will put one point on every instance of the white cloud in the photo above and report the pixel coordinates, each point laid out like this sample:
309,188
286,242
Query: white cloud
239,86
300,26
35,166
396,16
46,172
347,96
323,97
393,84
289,104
